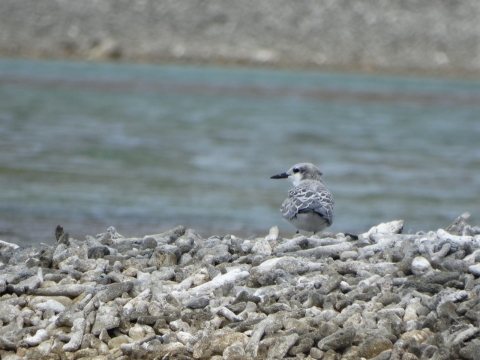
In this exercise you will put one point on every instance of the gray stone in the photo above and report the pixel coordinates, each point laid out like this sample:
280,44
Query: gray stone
38,255
72,290
98,252
475,269
236,351
114,291
149,243
8,312
216,343
25,286
281,346
185,243
198,303
103,279
219,252
6,344
162,258
316,353
338,341
457,226
168,236
7,250
471,351
373,347
262,246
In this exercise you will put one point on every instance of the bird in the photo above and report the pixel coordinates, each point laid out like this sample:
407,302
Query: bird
309,205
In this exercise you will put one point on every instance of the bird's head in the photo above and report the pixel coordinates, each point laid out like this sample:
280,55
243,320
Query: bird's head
299,172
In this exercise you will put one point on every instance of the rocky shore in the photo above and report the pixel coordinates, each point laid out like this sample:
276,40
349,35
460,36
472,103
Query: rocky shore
430,36
383,295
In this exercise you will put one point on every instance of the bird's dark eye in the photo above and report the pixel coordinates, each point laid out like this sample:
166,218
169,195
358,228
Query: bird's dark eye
296,170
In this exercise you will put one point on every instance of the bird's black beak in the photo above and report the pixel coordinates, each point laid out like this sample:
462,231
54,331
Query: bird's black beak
280,176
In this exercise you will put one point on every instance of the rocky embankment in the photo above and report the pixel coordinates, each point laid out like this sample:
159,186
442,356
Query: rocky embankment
432,36
174,295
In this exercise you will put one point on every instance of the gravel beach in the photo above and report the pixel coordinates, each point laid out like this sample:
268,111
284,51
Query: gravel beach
176,295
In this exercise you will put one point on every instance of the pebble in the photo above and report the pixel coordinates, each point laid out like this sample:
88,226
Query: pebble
177,295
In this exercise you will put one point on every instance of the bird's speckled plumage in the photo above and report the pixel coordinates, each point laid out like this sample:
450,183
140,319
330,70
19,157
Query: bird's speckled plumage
309,205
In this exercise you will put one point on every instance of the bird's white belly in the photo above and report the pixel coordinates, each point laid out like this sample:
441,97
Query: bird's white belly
309,221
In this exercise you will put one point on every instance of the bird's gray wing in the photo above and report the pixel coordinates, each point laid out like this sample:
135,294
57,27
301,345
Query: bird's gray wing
305,199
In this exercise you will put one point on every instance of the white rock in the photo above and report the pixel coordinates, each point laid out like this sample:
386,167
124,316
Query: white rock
201,277
270,264
143,296
472,258
179,325
233,275
262,246
107,318
78,330
392,227
234,352
185,284
7,244
411,310
420,265
51,304
185,338
475,269
228,314
460,240
349,254
138,332
39,337
144,277
272,234
45,347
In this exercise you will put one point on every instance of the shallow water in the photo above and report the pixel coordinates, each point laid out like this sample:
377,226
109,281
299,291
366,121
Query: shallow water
145,148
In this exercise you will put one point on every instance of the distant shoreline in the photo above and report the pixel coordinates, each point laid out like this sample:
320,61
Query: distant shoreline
438,39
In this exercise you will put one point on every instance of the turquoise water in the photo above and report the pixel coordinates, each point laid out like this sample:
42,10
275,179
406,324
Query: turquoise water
145,148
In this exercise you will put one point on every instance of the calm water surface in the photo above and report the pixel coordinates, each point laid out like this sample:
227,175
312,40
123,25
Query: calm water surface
145,148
